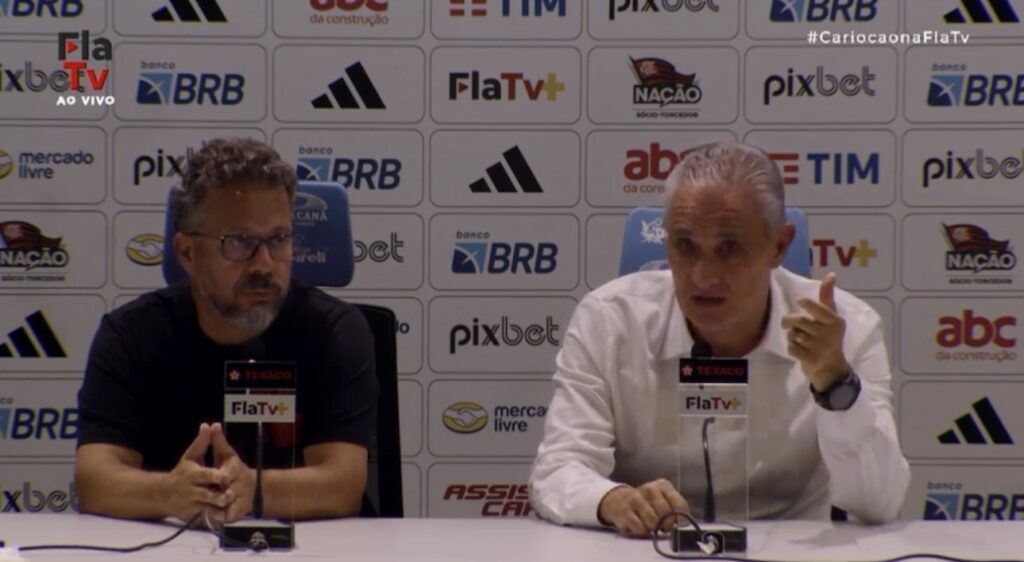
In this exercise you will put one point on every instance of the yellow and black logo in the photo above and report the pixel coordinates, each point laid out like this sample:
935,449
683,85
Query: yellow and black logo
465,417
146,249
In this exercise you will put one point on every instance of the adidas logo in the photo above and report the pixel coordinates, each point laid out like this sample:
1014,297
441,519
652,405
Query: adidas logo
23,344
514,159
971,433
187,13
343,96
976,11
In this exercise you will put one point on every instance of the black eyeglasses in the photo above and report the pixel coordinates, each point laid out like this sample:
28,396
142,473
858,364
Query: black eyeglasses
243,247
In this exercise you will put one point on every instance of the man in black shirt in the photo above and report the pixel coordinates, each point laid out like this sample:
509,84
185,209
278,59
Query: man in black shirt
152,399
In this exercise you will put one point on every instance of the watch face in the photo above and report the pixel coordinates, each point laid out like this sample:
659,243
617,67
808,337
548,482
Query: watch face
842,397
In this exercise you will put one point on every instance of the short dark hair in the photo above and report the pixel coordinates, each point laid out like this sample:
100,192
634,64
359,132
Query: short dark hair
228,162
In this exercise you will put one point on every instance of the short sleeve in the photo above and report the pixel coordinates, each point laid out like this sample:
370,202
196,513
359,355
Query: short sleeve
109,401
343,397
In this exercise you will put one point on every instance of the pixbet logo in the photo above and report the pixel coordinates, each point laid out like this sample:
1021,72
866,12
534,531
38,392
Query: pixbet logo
504,332
160,165
98,49
976,166
658,6
26,498
380,251
821,83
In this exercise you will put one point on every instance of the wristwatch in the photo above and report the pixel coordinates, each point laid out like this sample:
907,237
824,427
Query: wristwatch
840,395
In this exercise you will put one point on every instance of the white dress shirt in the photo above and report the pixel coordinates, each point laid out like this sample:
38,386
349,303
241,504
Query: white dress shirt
614,417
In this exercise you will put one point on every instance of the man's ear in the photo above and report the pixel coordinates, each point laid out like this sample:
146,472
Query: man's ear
782,242
184,249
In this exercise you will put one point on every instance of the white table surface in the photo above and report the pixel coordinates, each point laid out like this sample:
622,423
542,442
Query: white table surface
514,540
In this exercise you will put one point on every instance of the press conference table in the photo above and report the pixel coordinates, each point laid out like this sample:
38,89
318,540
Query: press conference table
520,540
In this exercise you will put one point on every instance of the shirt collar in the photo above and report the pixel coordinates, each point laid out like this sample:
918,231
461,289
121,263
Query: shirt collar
678,341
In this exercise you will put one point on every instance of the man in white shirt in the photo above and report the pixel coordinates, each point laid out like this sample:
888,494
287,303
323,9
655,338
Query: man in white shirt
820,415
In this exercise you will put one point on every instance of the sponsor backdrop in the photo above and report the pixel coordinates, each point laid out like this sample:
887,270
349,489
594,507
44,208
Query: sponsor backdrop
490,150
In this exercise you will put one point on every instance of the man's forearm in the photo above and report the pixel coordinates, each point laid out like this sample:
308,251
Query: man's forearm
121,491
311,492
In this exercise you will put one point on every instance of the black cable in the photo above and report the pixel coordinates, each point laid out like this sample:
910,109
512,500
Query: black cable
727,558
709,495
122,549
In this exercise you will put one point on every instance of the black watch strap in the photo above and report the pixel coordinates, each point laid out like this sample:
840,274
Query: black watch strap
840,395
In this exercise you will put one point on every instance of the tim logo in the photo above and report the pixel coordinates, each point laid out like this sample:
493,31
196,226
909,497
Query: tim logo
524,8
823,10
352,90
660,84
515,161
501,257
967,430
185,12
184,88
999,11
830,168
40,8
972,249
33,340
976,90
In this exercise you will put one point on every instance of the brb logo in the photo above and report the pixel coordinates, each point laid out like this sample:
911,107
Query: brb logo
823,10
316,163
38,424
98,49
186,88
952,86
974,507
820,83
491,257
40,8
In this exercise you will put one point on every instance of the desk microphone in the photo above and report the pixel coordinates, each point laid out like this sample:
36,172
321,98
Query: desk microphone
255,379
701,369
701,349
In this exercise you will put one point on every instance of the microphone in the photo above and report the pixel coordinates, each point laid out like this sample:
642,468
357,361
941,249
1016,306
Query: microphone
702,349
711,387
258,390
256,350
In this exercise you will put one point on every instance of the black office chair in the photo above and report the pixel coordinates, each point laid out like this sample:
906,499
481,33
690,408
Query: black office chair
383,497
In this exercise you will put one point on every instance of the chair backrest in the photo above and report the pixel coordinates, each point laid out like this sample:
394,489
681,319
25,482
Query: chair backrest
323,232
324,257
643,242
384,475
